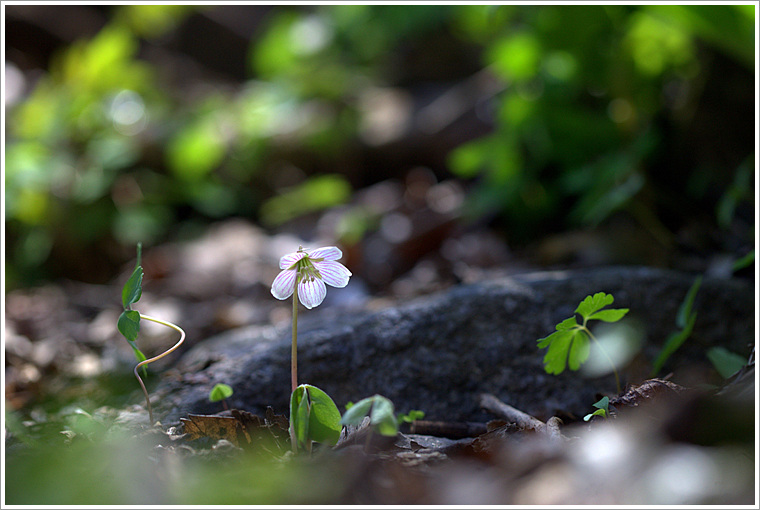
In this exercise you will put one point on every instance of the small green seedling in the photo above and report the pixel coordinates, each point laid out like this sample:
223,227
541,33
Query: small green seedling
129,325
314,417
602,409
380,411
685,320
409,417
220,392
569,345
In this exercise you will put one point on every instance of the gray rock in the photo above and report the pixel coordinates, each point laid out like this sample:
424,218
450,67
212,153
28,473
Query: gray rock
439,353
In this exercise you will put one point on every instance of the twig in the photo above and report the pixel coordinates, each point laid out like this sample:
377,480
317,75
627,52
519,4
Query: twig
509,413
523,420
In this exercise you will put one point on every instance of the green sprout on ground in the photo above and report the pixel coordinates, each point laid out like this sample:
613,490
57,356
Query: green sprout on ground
602,409
570,344
129,325
303,275
221,392
314,417
380,410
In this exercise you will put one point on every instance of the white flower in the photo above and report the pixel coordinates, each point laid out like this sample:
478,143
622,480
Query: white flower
312,269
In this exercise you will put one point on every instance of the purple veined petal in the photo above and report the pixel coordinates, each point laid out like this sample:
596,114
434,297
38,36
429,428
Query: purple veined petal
311,292
333,273
291,258
284,283
326,253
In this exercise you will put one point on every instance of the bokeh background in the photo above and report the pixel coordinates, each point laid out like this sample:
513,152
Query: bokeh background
471,135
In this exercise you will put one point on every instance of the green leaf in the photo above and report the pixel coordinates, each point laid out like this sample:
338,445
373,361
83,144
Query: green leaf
579,350
383,417
220,392
412,415
132,290
299,414
603,403
598,412
684,311
725,362
140,358
356,413
593,303
567,324
745,261
556,357
324,416
129,325
380,411
612,315
672,343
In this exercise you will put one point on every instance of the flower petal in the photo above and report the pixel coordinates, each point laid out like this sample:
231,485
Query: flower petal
311,292
333,273
291,258
284,283
326,253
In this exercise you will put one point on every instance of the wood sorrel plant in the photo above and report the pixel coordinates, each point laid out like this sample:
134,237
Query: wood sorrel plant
313,414
129,325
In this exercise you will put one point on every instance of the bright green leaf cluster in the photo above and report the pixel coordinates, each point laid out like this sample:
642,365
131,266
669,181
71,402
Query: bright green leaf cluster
129,320
380,411
313,416
570,344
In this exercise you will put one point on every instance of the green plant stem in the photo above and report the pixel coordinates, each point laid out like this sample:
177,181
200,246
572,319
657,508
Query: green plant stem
151,360
294,364
612,364
294,347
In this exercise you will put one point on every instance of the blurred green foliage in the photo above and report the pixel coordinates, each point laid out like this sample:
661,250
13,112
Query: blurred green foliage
103,152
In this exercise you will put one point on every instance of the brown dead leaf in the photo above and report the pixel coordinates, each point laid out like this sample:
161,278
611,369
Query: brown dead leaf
241,429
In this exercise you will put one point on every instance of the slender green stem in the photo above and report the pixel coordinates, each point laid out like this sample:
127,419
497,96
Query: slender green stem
612,364
294,347
294,363
151,360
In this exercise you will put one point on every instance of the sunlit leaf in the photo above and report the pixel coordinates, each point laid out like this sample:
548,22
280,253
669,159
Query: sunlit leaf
591,304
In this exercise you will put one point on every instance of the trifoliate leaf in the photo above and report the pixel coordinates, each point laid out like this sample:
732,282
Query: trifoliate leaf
593,303
611,315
